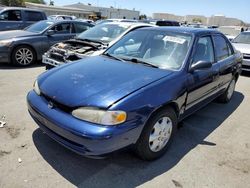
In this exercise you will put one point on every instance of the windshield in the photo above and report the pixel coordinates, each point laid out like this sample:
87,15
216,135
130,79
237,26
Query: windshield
243,38
164,49
104,32
39,26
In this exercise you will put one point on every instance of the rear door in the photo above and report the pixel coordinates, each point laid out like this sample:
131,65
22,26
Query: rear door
203,83
31,17
11,20
225,58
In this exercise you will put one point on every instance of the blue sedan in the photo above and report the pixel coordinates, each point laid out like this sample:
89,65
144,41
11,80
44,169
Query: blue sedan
25,47
136,92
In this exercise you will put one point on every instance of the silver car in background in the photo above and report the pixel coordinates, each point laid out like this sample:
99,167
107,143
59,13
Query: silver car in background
89,43
242,44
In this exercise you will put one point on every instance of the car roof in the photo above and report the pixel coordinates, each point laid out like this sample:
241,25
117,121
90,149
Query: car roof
64,21
19,8
188,30
127,23
55,15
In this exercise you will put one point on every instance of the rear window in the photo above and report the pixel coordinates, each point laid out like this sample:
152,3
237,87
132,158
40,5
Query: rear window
80,27
221,47
33,16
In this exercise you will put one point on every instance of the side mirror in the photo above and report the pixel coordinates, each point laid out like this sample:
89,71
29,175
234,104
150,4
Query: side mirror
200,65
50,32
1,17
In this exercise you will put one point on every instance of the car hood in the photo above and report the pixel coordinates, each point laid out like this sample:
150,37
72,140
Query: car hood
96,81
243,48
14,34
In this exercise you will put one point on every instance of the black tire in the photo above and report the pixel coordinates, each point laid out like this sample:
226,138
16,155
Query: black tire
28,58
227,95
142,147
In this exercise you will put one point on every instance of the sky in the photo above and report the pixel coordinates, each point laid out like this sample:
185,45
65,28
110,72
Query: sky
237,9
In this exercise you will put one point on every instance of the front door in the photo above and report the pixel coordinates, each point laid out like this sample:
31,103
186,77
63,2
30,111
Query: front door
202,84
11,20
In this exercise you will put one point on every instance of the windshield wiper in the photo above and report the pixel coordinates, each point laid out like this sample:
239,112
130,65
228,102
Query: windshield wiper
135,60
90,40
113,57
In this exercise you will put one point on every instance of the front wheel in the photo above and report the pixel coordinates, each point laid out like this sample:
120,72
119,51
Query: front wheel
227,95
23,56
157,135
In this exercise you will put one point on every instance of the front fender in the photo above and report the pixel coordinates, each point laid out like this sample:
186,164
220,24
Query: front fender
144,102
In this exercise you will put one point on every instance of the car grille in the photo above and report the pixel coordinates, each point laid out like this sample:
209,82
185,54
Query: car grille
57,57
246,56
57,104
245,67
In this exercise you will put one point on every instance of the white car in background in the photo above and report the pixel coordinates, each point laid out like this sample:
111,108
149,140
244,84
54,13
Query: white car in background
61,17
89,43
242,44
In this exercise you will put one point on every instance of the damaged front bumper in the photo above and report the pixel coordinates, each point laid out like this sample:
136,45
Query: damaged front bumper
52,62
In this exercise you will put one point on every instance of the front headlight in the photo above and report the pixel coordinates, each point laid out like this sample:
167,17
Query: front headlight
98,116
36,88
5,42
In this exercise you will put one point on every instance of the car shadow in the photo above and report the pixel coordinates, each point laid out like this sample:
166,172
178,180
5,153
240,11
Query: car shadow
7,66
124,169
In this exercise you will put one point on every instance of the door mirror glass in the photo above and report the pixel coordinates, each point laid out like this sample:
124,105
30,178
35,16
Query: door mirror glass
201,65
2,17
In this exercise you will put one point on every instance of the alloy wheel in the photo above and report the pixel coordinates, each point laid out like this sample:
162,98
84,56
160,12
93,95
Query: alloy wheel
24,56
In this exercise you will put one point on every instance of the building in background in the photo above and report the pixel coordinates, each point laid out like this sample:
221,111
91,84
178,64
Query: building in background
58,10
166,16
107,13
219,20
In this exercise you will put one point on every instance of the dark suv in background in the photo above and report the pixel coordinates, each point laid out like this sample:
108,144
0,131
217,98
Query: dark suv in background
167,23
14,18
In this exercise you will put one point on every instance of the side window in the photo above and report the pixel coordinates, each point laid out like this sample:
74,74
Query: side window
79,28
221,48
62,28
231,52
33,16
204,50
11,15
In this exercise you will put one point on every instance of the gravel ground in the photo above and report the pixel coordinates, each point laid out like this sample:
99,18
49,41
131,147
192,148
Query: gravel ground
212,148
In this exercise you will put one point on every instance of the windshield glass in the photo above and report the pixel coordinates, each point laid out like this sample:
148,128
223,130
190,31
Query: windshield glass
104,32
164,49
243,38
39,26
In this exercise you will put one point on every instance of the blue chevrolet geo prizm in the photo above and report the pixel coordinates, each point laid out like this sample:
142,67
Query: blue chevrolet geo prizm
136,92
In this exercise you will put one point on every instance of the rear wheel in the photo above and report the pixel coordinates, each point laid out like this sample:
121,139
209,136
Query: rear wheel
23,56
157,135
227,95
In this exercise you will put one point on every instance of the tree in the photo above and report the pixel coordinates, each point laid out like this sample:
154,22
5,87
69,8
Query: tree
12,2
143,17
197,20
51,3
